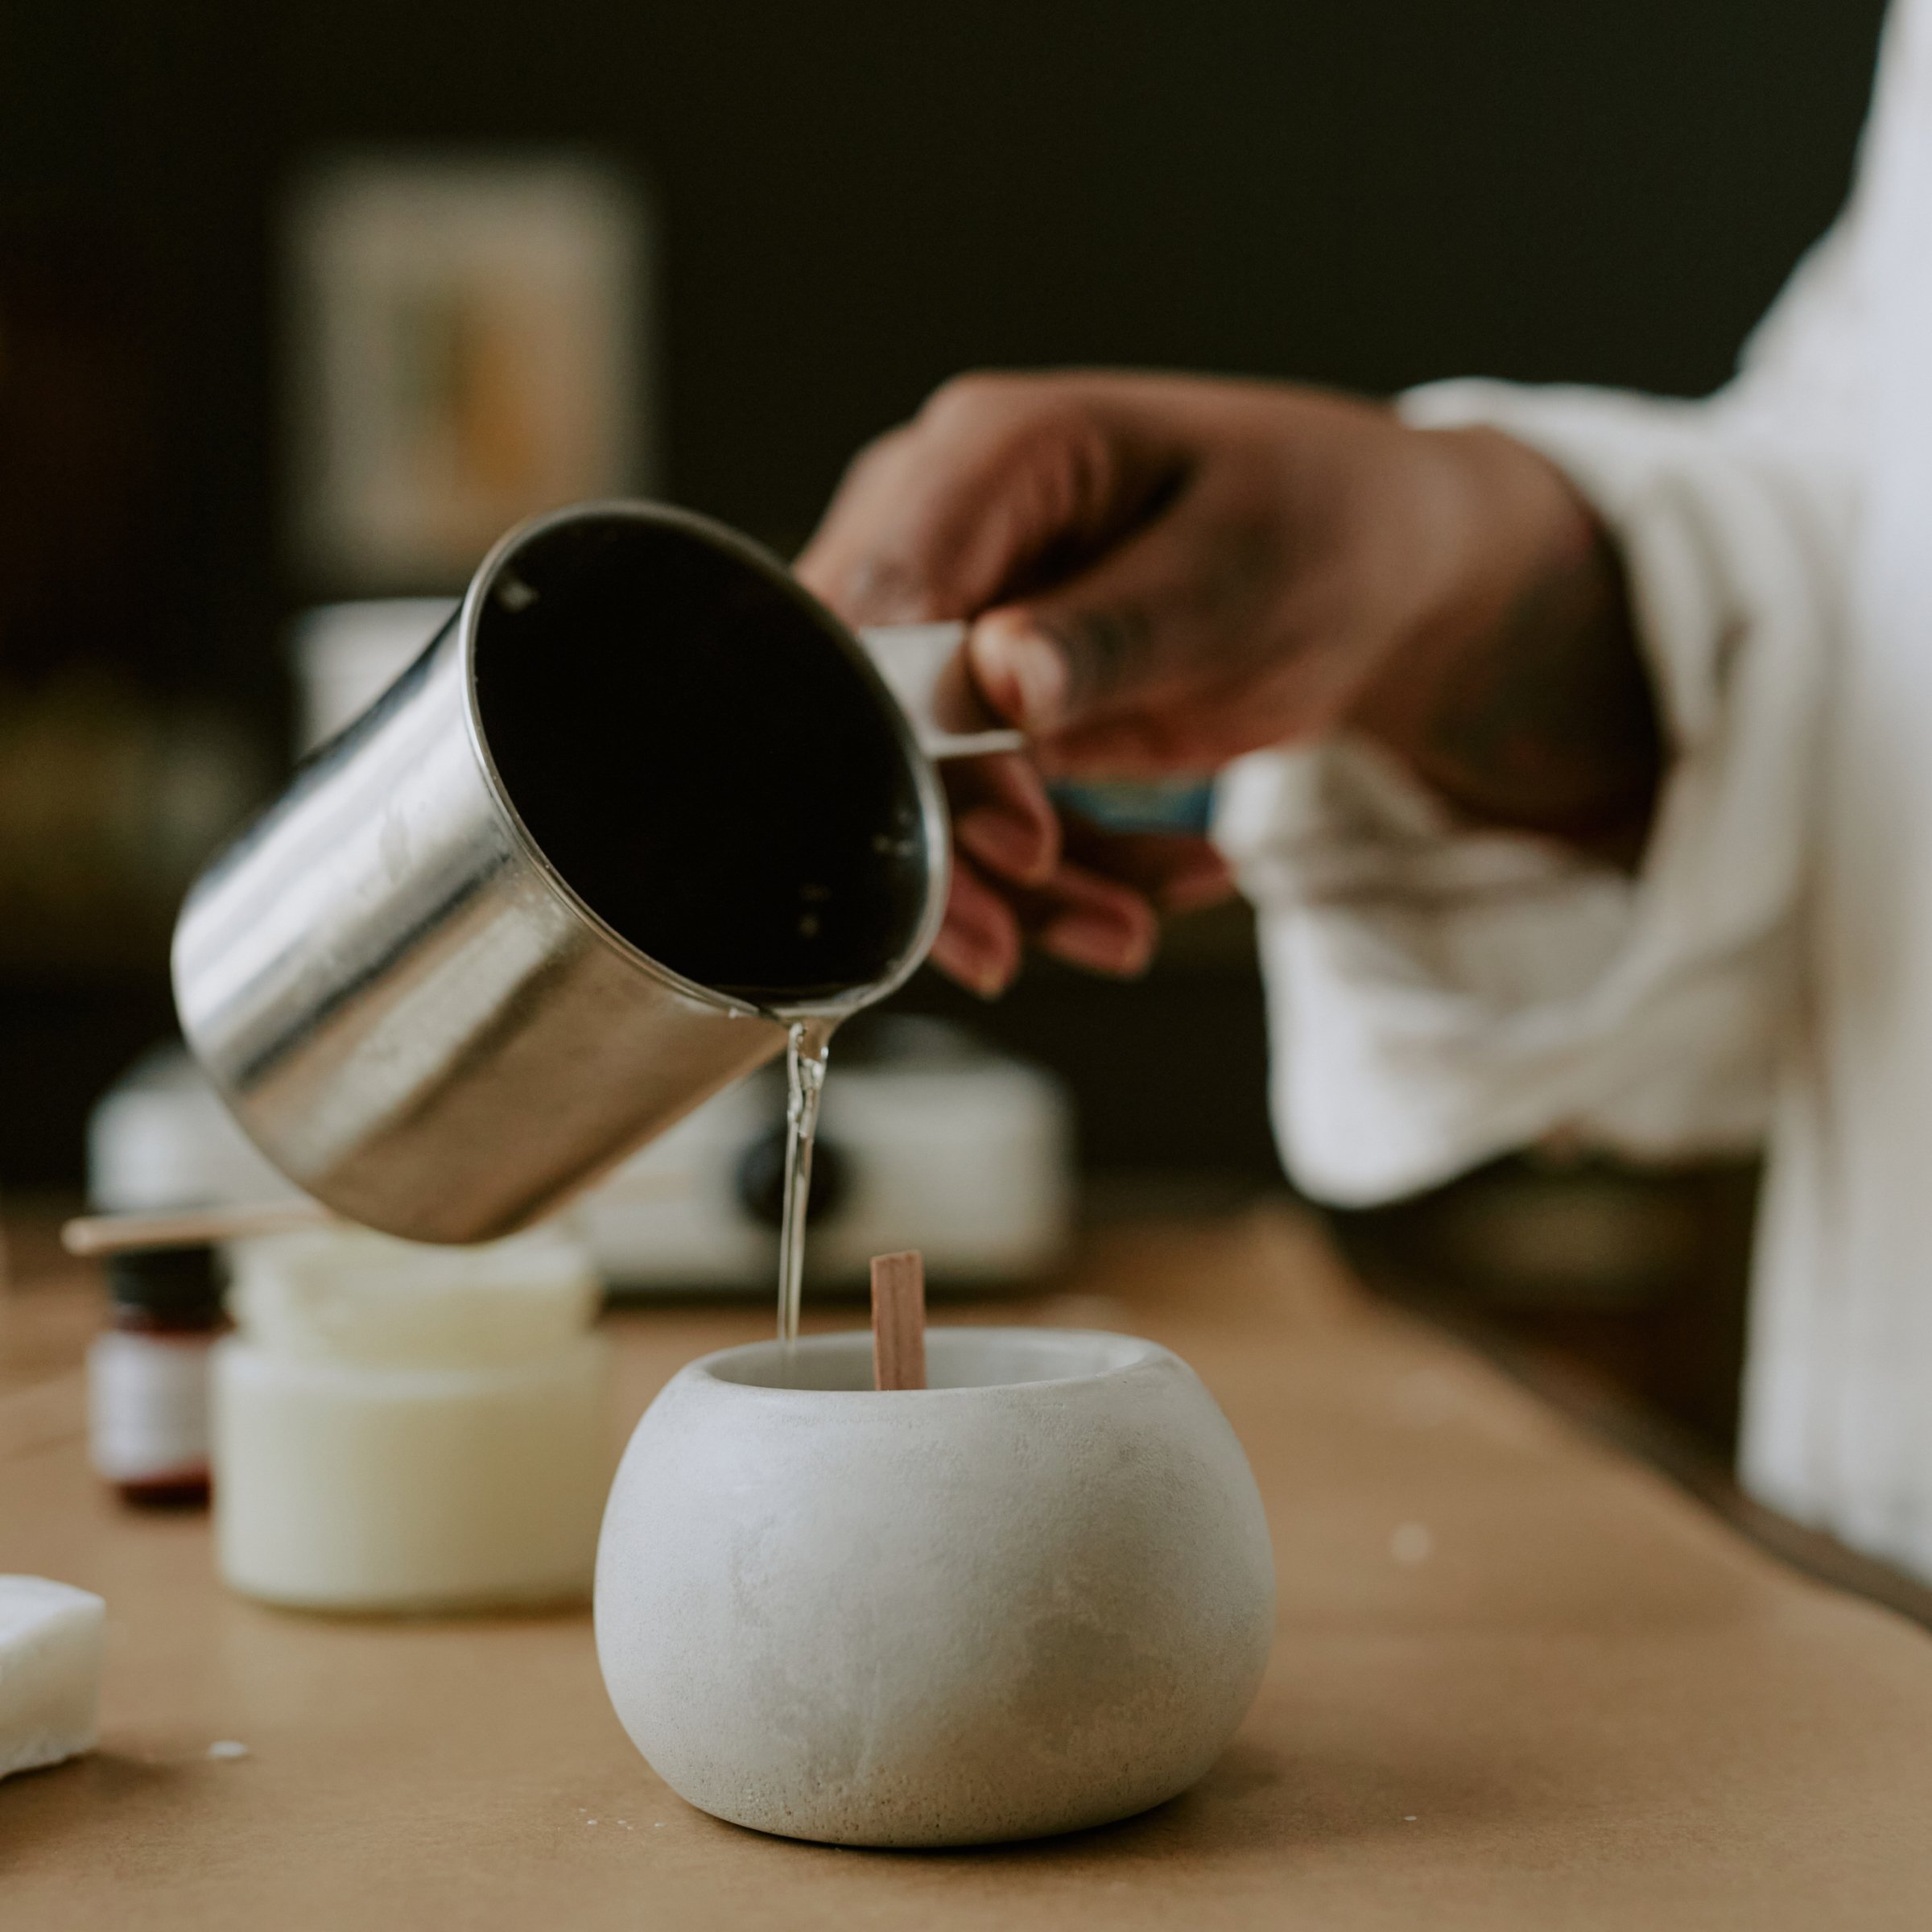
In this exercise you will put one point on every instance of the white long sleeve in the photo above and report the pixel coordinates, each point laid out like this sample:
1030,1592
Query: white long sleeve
1437,996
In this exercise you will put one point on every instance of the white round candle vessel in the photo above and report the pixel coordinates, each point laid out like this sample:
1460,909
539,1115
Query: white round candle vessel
1035,1595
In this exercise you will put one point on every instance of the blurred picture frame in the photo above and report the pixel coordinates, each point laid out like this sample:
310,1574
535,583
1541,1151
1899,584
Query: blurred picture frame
468,344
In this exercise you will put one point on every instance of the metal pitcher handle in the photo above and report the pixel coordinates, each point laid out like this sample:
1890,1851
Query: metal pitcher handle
920,666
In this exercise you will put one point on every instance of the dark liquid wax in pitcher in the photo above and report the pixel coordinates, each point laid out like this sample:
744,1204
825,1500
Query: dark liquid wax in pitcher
695,753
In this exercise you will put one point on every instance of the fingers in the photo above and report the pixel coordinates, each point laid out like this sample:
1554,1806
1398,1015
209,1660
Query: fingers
999,481
1201,880
1160,573
1090,921
1077,916
1003,819
1095,904
1176,871
1163,612
1099,912
979,943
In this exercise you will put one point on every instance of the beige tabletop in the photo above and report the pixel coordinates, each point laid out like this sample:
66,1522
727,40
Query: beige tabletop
1518,1682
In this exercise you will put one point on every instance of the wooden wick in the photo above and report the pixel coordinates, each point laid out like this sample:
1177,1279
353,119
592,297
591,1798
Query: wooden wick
189,1227
898,1320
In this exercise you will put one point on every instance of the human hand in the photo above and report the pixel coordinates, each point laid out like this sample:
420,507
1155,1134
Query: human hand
1163,572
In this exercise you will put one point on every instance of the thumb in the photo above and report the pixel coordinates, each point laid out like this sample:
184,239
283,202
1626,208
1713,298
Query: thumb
1150,618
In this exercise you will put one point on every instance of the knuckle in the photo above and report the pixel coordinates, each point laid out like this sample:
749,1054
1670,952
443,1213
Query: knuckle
1057,433
972,398
1052,463
1018,421
1013,420
880,455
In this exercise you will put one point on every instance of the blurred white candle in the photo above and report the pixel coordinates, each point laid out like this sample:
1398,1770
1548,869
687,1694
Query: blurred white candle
400,1428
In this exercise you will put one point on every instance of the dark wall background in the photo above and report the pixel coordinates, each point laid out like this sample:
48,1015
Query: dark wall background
854,200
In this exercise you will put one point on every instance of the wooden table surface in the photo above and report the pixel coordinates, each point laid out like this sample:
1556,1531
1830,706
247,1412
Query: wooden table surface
1518,1680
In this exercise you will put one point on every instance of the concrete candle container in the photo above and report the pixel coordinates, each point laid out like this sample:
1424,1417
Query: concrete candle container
1037,1595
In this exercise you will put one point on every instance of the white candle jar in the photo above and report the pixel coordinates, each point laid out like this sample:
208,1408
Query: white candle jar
408,1429
1036,1596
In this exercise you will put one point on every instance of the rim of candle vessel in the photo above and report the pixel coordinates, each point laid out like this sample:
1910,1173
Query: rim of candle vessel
1127,1352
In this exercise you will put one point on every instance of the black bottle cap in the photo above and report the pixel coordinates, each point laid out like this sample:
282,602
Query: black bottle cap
171,1284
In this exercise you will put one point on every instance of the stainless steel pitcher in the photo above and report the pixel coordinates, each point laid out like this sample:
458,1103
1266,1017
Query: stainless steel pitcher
641,803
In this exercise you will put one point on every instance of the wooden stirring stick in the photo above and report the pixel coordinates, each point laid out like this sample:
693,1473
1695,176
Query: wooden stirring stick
189,1227
898,1320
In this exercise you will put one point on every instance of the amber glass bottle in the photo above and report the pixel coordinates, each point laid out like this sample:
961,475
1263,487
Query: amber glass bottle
147,1376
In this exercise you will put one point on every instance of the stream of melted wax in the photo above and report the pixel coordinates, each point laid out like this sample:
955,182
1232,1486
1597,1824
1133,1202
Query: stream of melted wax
806,1046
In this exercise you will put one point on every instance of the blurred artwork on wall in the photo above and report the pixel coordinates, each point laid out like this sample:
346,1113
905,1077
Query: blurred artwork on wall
468,345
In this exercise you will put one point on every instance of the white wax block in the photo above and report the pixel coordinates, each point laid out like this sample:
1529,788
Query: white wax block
51,1637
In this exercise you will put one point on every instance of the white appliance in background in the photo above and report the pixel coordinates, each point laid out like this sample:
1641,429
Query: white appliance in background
160,1137
927,1140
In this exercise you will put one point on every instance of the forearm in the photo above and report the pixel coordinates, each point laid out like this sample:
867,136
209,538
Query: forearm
1522,701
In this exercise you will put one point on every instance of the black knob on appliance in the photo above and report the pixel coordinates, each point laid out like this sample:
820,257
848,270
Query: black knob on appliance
761,1178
